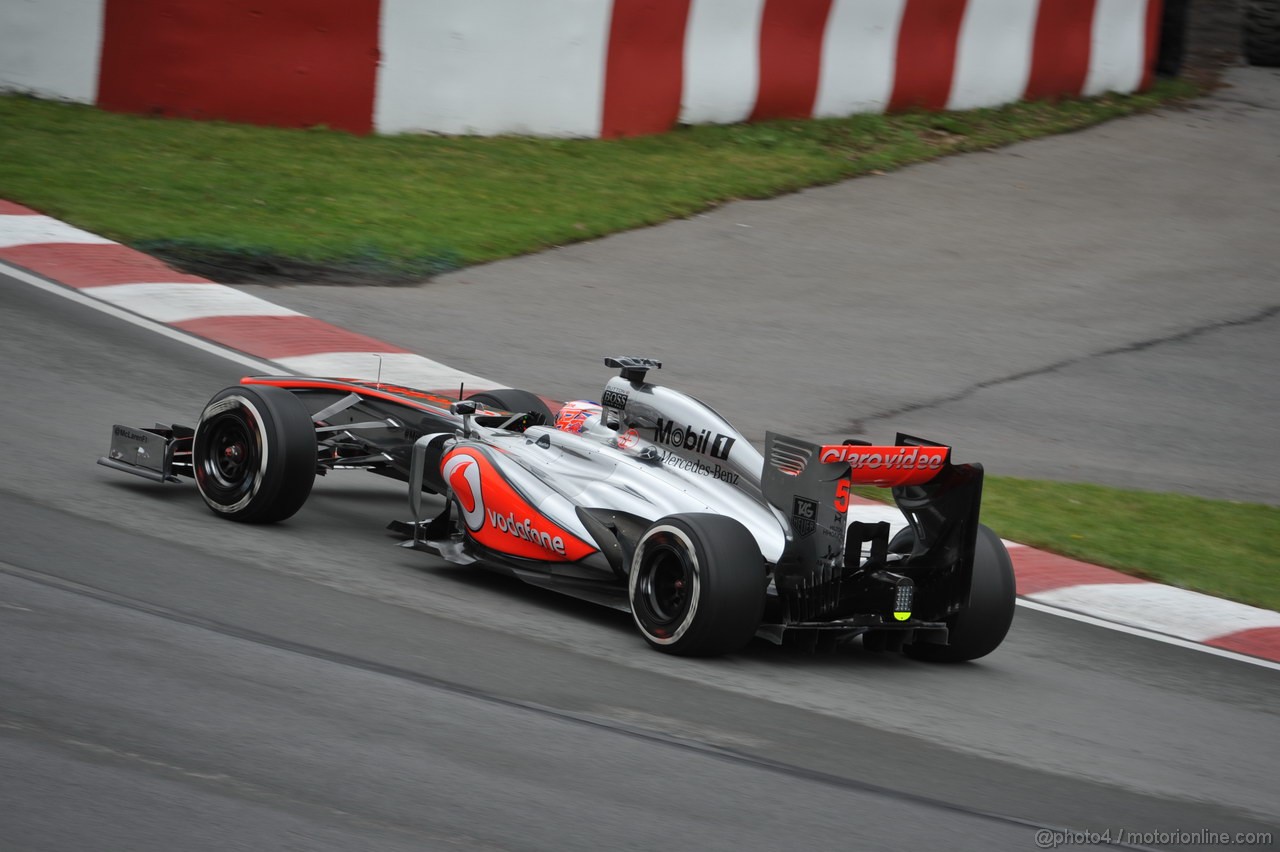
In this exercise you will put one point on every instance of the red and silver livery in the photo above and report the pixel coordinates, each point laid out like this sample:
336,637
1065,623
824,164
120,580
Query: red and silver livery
648,500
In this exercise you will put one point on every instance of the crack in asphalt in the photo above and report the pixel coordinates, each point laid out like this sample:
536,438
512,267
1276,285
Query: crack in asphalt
859,425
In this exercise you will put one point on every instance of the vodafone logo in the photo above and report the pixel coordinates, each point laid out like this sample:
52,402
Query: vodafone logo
463,475
512,519
526,531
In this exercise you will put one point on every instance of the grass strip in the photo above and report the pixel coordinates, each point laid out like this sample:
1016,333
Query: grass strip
1218,547
409,206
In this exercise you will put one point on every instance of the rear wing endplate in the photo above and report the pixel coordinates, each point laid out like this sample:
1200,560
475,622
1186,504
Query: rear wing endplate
939,500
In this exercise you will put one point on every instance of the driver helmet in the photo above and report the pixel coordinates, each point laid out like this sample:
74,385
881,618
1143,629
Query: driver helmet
578,415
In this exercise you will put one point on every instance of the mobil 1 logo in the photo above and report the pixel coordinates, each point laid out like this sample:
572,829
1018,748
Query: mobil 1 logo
702,441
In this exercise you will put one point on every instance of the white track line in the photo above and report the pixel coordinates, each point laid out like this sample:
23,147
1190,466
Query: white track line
1147,634
259,367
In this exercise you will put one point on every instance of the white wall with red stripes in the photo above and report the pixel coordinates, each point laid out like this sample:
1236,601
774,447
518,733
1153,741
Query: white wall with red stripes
567,67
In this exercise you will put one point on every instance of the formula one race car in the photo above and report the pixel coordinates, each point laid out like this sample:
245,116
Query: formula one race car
648,501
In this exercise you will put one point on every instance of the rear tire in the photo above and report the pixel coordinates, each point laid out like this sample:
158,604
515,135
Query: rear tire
979,628
697,585
254,454
515,401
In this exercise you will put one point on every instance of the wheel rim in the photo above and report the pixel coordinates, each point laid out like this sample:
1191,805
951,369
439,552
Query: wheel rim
230,451
665,585
229,455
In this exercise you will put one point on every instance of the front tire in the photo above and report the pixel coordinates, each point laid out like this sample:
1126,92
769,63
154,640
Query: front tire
979,628
254,454
697,585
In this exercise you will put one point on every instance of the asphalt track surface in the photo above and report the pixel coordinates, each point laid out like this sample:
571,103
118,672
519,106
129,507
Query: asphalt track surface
169,680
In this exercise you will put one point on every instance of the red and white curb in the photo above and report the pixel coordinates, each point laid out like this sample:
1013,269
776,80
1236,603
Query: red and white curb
118,280
115,275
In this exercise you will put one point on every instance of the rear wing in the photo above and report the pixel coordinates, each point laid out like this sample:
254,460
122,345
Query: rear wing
829,560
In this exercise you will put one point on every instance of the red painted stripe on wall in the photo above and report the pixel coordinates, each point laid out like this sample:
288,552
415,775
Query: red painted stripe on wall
1155,11
1060,55
292,63
282,337
8,208
79,265
644,68
791,33
926,54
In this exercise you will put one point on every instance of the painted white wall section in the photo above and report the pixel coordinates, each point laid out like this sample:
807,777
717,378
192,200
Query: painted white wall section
51,48
993,57
721,61
492,66
1118,46
859,55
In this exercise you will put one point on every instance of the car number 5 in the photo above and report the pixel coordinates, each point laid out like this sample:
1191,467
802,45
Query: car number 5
842,496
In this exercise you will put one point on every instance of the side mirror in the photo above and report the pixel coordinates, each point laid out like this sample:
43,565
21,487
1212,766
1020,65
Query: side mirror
465,409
